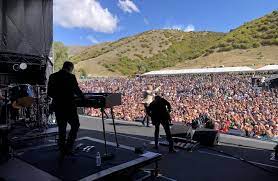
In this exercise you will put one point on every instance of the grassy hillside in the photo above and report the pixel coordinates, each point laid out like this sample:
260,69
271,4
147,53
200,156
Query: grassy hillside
253,57
183,46
144,52
75,50
158,49
259,32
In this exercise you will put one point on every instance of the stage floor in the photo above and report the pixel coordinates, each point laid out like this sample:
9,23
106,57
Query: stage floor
81,166
235,159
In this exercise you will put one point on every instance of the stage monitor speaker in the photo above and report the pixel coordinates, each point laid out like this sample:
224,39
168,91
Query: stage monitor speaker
181,130
206,137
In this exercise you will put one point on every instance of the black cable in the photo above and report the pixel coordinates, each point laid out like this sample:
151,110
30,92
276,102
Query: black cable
242,159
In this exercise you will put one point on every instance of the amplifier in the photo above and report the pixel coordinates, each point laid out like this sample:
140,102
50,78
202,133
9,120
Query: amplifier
181,130
207,137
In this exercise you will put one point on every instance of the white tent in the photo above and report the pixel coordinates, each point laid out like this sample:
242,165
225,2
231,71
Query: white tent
201,71
268,68
271,78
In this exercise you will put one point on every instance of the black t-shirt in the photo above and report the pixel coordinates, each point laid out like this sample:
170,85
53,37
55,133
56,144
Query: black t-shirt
159,109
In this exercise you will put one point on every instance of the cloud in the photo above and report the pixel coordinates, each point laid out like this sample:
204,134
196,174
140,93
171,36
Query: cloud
92,39
128,6
187,28
84,14
146,21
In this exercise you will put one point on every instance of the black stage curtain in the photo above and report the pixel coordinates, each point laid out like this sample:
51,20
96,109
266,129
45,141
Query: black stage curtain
26,35
26,26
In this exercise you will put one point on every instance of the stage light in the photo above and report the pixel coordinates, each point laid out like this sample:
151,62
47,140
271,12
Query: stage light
16,67
23,66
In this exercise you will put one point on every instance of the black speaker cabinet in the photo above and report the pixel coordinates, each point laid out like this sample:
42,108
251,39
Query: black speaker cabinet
206,137
181,130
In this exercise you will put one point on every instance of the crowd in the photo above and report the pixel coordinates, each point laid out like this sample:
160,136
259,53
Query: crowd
228,99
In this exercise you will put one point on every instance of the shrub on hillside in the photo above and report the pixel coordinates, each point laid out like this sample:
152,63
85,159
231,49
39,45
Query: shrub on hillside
275,42
223,44
229,40
244,46
224,49
145,45
210,50
82,72
270,42
255,45
139,56
263,28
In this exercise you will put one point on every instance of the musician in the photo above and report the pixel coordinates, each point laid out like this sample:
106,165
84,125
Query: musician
148,96
2,98
159,110
62,87
2,112
276,152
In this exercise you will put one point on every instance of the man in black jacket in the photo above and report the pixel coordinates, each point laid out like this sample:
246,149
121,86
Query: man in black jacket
62,87
159,110
276,152
2,111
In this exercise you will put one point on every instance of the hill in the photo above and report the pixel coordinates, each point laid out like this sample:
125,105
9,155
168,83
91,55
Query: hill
147,51
253,57
250,43
259,32
74,50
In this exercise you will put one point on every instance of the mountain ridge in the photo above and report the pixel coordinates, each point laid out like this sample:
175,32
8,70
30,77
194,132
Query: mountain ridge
160,49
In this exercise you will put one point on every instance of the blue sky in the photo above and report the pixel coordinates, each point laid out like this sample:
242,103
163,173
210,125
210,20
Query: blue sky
88,22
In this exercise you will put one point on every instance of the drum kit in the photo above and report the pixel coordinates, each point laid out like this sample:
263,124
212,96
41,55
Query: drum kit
26,104
24,112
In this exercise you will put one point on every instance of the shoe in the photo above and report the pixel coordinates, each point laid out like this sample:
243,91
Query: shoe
173,151
62,151
62,156
70,153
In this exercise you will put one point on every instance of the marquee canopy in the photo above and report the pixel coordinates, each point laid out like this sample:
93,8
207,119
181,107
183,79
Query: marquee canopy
200,71
268,68
213,70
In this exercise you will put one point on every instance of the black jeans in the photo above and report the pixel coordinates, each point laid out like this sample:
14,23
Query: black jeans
147,117
62,127
166,127
2,113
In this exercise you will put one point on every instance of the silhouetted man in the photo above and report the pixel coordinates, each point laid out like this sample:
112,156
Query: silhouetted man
148,96
159,110
276,152
62,87
2,110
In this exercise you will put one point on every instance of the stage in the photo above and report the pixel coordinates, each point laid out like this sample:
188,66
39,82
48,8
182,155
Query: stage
236,158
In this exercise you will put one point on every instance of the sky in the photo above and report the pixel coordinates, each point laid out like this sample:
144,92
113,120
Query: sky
89,22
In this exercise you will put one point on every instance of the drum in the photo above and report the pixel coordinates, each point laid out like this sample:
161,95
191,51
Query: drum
22,95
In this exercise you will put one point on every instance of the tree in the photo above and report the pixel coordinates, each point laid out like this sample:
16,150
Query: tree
83,73
60,55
